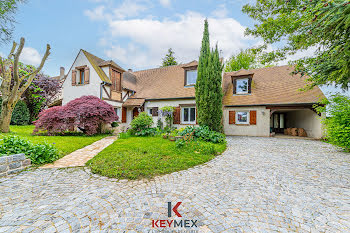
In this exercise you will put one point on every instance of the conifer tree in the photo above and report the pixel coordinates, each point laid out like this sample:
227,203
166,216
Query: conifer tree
208,86
169,59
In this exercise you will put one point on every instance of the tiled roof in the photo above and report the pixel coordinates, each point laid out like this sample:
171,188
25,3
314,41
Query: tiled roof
163,83
111,63
95,61
272,85
129,81
133,102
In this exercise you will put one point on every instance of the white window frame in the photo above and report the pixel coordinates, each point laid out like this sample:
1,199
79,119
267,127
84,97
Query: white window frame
189,117
190,84
242,92
118,113
149,111
243,123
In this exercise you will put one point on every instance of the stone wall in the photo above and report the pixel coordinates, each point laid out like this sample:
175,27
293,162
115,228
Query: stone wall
13,163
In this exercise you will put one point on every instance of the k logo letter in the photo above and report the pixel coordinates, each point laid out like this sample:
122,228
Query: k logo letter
174,209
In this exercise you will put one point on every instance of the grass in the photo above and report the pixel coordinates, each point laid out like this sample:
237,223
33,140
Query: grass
65,144
146,157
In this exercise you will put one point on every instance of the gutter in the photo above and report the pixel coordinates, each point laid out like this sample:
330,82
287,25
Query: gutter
101,86
170,98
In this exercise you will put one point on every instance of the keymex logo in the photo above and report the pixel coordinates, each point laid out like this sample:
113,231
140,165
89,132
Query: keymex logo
169,223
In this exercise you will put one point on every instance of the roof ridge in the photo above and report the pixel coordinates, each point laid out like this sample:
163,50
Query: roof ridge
164,67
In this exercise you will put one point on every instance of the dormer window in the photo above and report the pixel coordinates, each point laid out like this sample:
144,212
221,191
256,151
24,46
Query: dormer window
242,86
190,77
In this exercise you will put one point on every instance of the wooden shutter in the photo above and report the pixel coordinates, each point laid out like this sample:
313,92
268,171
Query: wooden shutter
87,75
234,86
176,115
232,117
196,116
124,109
252,118
249,85
117,77
74,77
155,111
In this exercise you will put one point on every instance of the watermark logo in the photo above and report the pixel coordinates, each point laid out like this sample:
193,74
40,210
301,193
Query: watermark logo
174,209
173,223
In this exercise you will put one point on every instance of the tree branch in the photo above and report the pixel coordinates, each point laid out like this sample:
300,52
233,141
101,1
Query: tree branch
16,60
14,45
32,75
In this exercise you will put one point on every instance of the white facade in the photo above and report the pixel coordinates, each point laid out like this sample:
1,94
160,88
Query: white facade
70,92
262,127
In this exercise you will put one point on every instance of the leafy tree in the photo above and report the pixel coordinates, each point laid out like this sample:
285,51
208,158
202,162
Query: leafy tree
245,59
208,86
87,113
20,115
40,94
7,10
15,82
337,125
302,24
169,59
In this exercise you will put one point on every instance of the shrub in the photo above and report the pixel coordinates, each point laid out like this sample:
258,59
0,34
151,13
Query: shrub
87,113
337,125
203,133
141,125
20,114
38,153
167,112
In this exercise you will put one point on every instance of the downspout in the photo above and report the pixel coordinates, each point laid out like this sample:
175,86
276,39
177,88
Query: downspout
101,86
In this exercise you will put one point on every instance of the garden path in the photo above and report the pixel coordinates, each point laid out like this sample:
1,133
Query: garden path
79,157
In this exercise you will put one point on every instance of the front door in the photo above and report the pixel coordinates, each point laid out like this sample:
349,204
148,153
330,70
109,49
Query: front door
278,122
135,112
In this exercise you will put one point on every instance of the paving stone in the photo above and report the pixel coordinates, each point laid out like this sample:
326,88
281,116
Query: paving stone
257,185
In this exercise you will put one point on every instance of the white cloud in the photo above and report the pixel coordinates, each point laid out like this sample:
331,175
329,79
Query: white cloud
96,14
30,56
165,3
220,12
130,8
149,39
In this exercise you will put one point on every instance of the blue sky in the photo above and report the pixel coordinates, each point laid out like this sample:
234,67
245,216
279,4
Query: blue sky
134,33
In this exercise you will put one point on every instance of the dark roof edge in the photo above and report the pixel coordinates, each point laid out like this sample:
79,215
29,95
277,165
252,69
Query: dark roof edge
171,98
279,105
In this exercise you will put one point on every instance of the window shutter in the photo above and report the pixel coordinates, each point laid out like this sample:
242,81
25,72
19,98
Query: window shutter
196,116
234,86
232,117
74,77
249,85
155,111
176,115
117,79
124,114
87,75
252,117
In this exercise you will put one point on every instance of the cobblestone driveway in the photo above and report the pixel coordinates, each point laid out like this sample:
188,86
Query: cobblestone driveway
257,185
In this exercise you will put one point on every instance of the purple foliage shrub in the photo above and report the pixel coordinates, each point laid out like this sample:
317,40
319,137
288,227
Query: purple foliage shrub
87,113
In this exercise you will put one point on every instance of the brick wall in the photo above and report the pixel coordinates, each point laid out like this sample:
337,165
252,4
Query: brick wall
13,163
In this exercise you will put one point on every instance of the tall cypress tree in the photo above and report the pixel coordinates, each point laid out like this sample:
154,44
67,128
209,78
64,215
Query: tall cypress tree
208,87
203,77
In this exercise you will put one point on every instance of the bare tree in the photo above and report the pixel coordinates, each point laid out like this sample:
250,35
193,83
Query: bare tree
13,85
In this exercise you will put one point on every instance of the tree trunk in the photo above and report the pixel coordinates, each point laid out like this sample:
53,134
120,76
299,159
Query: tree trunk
5,118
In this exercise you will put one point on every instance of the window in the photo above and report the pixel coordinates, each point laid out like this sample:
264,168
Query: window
191,77
189,115
149,111
116,80
242,86
117,111
242,118
81,76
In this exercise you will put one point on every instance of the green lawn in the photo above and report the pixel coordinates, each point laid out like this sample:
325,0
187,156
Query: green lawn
65,144
145,157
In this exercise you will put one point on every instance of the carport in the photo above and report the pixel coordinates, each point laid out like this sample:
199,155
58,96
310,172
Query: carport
295,116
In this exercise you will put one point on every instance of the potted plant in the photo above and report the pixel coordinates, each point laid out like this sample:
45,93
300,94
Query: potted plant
165,135
172,136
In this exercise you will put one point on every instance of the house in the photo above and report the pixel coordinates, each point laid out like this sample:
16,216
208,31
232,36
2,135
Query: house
256,102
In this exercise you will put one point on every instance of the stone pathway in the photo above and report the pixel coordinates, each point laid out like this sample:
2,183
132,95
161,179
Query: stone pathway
257,185
79,157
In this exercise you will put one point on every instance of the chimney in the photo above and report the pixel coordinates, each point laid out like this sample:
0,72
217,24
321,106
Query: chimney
61,73
129,70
